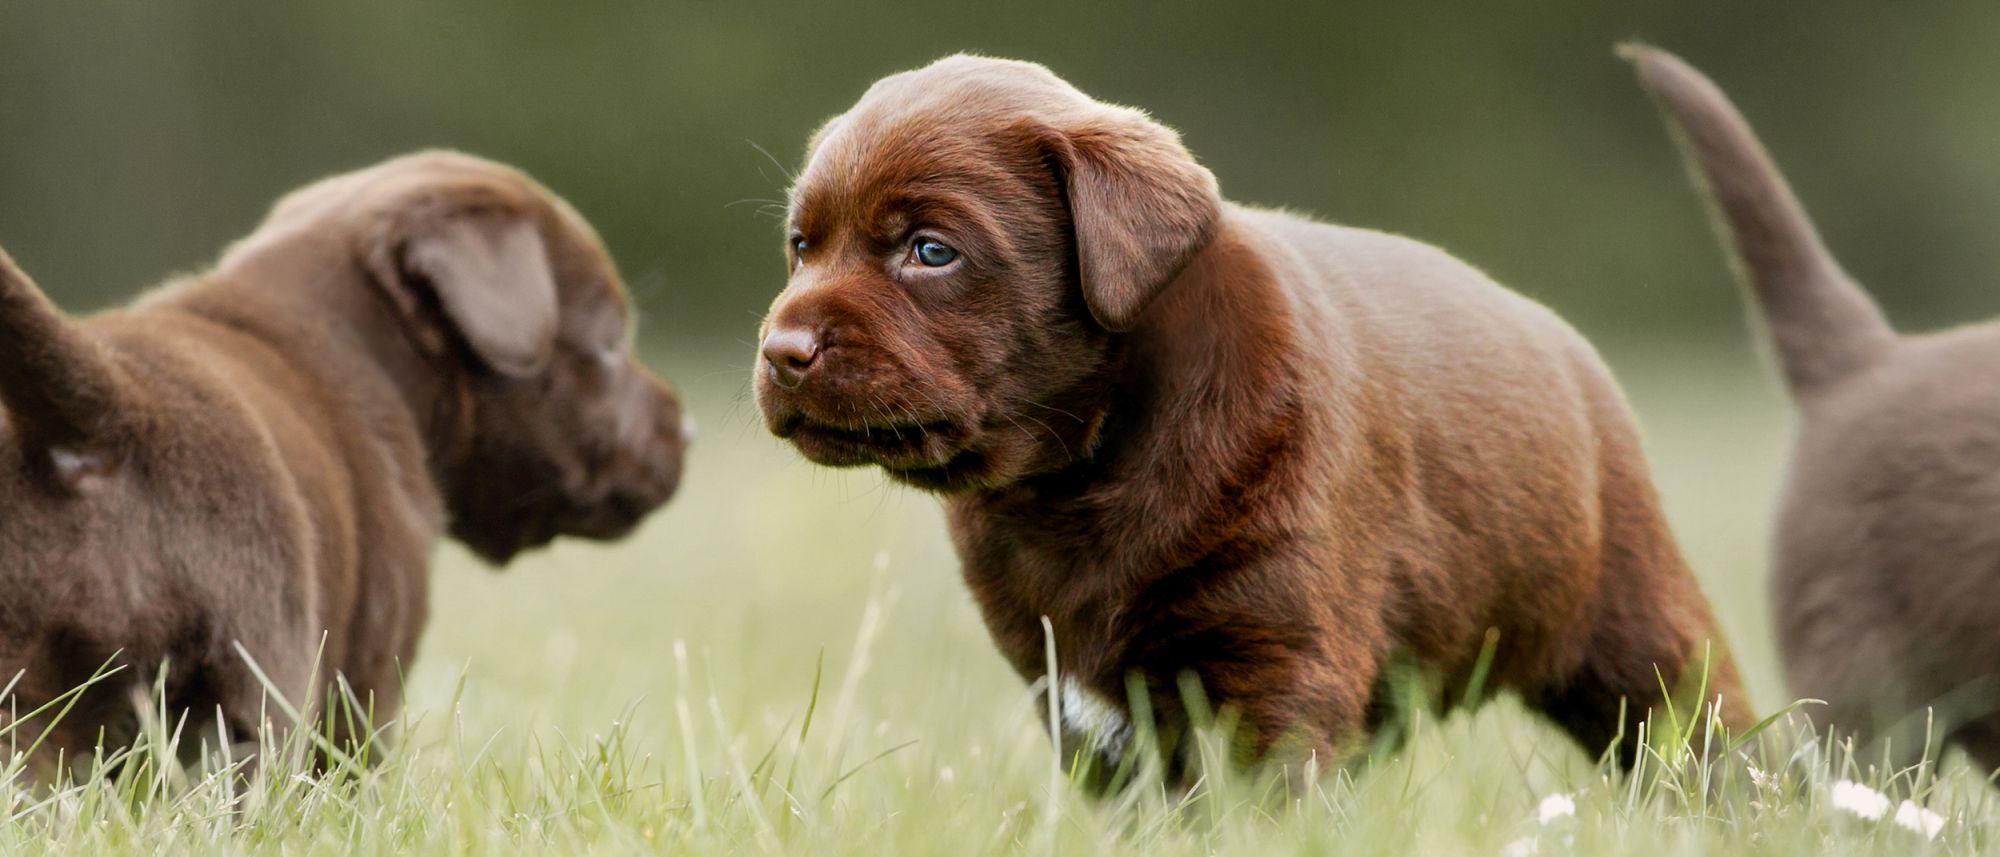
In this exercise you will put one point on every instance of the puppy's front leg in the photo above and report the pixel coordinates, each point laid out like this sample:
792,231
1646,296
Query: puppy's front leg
1203,717
267,687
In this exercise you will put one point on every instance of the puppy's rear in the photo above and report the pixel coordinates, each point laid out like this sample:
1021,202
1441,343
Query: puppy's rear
1884,558
1822,326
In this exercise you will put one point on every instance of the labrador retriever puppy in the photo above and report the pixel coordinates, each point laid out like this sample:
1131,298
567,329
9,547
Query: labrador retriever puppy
1886,561
253,465
1206,440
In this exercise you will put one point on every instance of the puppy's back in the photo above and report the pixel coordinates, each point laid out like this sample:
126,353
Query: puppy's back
1457,341
1513,436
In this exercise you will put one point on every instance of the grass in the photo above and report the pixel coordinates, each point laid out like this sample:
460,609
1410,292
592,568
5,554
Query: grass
784,661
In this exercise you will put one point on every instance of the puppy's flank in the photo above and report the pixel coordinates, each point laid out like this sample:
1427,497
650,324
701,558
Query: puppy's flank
265,455
1206,439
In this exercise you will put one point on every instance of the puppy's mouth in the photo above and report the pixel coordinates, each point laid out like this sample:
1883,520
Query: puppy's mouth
917,444
609,519
499,545
613,511
609,506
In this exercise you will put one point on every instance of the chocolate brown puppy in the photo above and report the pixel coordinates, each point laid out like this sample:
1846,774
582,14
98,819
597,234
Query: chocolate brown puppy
1206,439
1886,561
266,454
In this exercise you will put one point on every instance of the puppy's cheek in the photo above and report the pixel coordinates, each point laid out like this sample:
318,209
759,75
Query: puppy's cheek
659,463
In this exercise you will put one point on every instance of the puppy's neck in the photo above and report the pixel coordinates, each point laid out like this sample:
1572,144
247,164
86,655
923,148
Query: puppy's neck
1218,338
1203,394
332,322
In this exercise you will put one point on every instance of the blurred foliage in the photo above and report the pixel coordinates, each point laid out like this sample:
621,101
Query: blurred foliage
141,137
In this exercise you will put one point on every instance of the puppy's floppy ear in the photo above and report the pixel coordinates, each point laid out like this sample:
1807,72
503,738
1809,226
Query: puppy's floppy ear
489,273
1140,204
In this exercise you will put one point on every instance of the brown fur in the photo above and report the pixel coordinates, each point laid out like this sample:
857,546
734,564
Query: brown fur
1202,438
1886,566
267,453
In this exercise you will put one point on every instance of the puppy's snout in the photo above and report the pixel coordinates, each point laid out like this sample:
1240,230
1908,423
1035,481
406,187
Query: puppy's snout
673,429
792,352
638,471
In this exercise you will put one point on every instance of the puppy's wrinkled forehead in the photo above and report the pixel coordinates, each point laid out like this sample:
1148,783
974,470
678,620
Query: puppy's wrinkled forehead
929,123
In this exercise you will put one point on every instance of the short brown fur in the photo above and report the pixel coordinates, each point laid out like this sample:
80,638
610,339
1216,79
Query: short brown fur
1203,438
266,454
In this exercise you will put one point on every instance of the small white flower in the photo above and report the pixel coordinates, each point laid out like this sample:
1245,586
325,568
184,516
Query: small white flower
1522,847
1554,807
1760,779
1919,820
946,776
1860,800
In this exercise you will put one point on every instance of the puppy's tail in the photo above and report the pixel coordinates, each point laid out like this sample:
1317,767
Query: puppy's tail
1823,326
57,385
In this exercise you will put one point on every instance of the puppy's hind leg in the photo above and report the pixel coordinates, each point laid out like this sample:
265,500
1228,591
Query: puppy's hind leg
1610,698
1648,637
1652,650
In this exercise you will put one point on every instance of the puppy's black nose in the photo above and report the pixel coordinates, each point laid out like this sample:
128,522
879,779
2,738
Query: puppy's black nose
792,352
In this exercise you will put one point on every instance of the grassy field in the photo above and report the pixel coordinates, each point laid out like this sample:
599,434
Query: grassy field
653,696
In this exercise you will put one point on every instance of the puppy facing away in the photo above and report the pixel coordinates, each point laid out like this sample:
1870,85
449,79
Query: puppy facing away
1886,561
265,455
1201,438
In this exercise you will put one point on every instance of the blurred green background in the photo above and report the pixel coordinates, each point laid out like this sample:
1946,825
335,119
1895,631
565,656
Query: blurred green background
141,137
136,139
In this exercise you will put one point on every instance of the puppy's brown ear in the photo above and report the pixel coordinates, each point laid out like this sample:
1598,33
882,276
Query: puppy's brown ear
490,275
1140,205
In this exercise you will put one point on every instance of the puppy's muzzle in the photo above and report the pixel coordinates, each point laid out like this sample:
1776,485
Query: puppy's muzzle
641,474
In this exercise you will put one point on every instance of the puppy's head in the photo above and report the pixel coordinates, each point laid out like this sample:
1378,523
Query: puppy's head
545,422
967,244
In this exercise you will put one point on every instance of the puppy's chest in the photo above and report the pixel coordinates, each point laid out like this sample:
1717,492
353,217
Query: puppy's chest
1019,582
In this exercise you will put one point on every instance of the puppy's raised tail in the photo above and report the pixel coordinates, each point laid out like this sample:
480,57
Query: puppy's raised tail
1823,326
58,387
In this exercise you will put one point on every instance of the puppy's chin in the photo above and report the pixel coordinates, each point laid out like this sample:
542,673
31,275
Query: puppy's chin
991,458
940,455
609,519
956,474
942,451
939,458
500,544
908,445
965,473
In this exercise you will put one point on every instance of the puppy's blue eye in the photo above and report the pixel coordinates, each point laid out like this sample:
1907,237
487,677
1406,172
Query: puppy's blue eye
799,245
935,254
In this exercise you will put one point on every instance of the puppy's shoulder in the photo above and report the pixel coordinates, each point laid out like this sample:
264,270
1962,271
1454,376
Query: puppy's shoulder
1364,254
1402,296
1377,267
